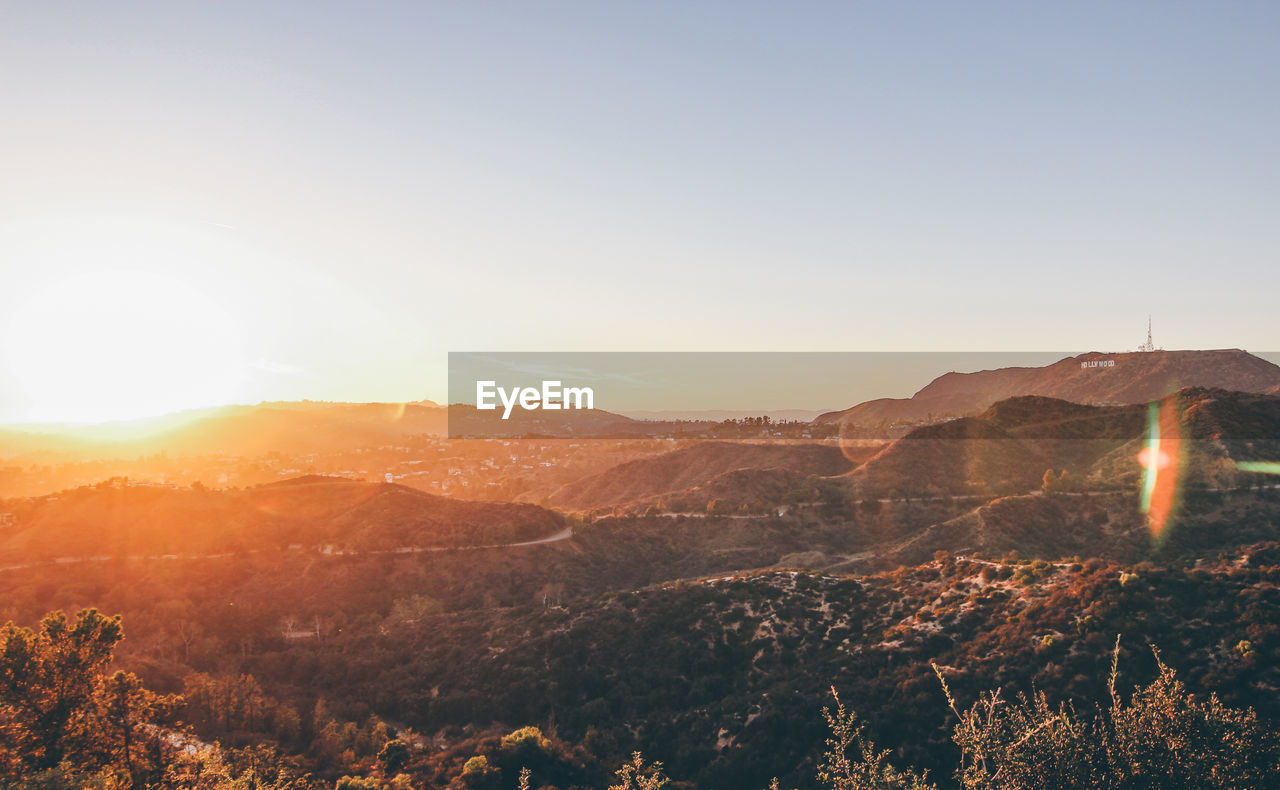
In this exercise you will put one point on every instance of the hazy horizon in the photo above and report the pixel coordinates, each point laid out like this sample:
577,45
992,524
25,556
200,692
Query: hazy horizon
897,375
209,205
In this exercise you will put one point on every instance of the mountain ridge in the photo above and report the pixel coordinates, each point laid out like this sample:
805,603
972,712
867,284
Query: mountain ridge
1093,378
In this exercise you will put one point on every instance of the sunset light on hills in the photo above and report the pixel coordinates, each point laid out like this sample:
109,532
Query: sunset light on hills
694,395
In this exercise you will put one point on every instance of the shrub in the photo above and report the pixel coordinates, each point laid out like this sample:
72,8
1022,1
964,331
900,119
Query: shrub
636,774
526,737
476,765
1162,737
852,761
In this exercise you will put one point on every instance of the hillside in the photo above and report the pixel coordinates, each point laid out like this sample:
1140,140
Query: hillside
721,677
741,491
119,520
1034,526
732,701
1007,448
653,633
1093,378
708,640
954,457
644,479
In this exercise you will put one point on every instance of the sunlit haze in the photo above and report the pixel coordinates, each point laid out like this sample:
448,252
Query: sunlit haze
237,202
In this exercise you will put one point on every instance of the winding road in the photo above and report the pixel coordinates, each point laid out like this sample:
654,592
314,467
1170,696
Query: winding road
563,534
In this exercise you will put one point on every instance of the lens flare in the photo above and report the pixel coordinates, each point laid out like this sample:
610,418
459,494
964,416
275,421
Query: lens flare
855,441
1261,467
1161,460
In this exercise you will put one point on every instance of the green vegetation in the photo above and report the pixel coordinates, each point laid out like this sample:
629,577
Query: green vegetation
1160,737
756,648
60,708
67,724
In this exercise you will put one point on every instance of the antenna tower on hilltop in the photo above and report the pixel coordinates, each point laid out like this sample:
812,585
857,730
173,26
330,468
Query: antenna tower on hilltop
1148,346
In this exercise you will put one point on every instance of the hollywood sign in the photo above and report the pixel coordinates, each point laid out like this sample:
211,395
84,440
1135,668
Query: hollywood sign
1098,363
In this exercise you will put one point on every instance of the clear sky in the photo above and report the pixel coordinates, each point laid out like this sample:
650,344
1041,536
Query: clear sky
247,201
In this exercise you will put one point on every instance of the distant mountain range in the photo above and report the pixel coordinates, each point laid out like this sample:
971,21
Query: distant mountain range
1094,378
314,426
290,426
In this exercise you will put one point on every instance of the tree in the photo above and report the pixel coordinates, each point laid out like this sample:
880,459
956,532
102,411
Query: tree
126,741
393,756
48,680
58,708
1054,484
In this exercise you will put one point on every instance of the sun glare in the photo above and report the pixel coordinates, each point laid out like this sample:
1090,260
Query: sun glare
118,345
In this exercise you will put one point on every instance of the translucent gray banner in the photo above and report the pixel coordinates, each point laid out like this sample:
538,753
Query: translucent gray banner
1228,395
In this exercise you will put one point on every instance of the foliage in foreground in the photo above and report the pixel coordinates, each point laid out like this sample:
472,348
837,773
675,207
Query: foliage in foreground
58,706
64,723
1161,737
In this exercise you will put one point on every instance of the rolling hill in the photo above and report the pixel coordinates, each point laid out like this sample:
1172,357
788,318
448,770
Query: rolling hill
1007,448
122,520
686,468
966,454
